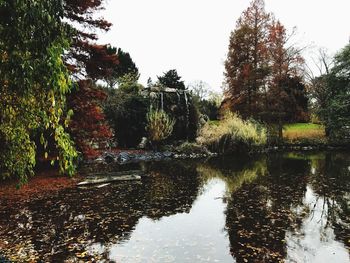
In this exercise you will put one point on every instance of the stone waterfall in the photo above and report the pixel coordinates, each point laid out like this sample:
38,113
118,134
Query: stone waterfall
179,105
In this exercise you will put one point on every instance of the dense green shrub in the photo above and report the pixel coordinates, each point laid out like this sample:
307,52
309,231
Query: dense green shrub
209,108
193,122
232,134
206,100
126,111
160,125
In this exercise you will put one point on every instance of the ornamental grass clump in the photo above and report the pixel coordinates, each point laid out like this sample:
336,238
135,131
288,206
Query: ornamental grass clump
160,125
232,134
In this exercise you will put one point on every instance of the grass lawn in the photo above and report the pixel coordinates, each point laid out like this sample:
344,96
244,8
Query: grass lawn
297,131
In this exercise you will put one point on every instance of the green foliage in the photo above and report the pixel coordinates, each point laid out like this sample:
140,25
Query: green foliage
336,112
314,118
33,84
126,66
128,83
232,134
160,125
209,108
172,80
207,102
317,91
126,110
177,103
193,121
18,153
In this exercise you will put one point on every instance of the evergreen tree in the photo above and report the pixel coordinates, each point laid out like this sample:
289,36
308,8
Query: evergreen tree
125,66
171,79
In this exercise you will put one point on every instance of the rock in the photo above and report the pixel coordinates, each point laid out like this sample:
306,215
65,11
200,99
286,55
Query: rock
203,119
126,157
167,154
109,157
158,156
123,157
142,157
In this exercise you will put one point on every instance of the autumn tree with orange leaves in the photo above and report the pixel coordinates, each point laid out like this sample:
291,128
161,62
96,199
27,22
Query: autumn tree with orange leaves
89,128
85,58
247,60
262,73
286,99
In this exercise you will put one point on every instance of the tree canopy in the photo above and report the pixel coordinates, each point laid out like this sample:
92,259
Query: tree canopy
171,79
34,85
85,57
125,66
45,46
262,72
336,111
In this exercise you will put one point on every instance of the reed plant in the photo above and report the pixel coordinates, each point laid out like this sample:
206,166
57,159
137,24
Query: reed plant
232,134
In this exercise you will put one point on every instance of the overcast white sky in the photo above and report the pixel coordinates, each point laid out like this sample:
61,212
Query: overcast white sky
192,35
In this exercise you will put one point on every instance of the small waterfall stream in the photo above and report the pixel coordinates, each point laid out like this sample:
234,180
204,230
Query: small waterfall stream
177,104
187,111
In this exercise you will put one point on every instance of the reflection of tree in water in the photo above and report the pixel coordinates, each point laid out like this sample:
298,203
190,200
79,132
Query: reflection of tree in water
61,226
266,208
174,187
259,214
330,179
234,174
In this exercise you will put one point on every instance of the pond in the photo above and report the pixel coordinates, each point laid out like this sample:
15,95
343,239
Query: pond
283,207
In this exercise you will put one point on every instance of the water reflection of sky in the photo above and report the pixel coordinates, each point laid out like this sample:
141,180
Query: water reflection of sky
316,240
197,236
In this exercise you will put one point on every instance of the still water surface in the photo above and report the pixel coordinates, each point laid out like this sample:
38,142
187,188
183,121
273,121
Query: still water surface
288,207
